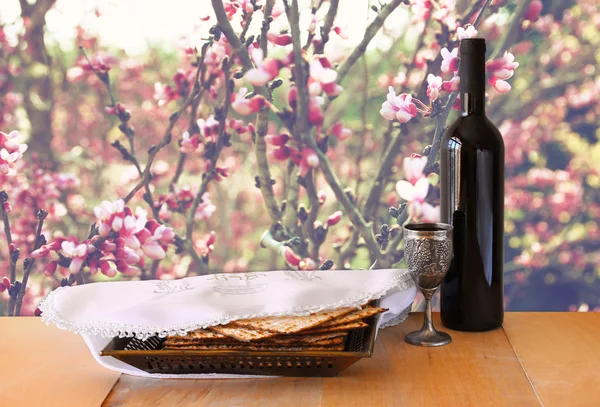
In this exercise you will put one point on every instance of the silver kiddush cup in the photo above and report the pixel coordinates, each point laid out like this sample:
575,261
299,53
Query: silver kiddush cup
428,251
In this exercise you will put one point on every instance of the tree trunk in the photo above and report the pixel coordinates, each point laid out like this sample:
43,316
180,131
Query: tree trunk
38,95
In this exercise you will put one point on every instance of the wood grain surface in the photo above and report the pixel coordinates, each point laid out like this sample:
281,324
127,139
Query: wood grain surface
549,359
560,353
44,366
477,369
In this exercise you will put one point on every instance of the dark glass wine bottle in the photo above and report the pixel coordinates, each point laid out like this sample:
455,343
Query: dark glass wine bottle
472,200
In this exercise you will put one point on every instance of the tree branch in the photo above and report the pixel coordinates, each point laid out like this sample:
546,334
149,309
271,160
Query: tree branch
210,173
240,50
372,29
30,261
356,218
301,125
327,25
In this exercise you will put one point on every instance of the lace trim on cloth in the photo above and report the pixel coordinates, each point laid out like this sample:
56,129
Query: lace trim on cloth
398,319
143,332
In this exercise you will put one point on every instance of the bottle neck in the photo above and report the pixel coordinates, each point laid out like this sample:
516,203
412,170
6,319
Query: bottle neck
472,83
472,104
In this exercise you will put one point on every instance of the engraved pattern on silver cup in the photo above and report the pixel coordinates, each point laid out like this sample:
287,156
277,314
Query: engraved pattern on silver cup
427,258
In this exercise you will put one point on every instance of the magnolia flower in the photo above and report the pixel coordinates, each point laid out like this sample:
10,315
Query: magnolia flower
398,107
469,32
449,60
413,167
266,70
246,106
434,85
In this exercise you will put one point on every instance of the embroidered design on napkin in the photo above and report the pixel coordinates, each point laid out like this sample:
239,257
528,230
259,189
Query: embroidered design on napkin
302,275
170,286
238,283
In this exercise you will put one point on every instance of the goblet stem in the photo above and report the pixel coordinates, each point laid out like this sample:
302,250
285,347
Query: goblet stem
428,321
428,336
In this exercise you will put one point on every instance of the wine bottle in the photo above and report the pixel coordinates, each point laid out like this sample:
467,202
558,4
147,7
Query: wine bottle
472,200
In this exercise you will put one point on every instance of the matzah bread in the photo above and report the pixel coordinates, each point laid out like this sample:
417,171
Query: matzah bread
257,348
292,324
354,316
337,328
242,333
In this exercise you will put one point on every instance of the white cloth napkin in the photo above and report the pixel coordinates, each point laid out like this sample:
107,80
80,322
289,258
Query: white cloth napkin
101,311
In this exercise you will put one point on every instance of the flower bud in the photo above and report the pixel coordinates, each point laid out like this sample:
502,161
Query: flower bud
290,257
334,219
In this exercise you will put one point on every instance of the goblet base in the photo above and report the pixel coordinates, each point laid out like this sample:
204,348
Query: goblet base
428,338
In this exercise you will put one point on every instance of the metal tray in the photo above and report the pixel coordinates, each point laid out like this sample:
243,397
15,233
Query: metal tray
148,356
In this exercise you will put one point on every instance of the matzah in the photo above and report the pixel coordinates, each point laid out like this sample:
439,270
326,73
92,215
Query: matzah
242,333
354,316
336,328
257,348
292,324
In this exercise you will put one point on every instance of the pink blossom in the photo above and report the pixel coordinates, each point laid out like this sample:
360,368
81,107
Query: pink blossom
266,69
246,106
334,219
106,213
290,257
533,10
434,85
163,94
278,9
414,194
430,213
469,32
307,264
277,140
305,160
76,252
280,39
413,167
451,85
11,150
281,153
341,32
449,60
322,196
500,85
321,71
155,240
206,208
398,107
502,68
315,115
189,144
340,132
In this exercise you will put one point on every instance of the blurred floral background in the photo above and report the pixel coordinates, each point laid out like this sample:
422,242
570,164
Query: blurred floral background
163,140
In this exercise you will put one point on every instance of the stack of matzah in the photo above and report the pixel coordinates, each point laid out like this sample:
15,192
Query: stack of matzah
325,330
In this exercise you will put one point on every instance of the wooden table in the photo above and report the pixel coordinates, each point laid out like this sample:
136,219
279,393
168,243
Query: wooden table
549,359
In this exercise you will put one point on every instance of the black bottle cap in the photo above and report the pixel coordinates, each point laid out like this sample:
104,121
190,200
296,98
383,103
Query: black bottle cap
472,46
472,66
